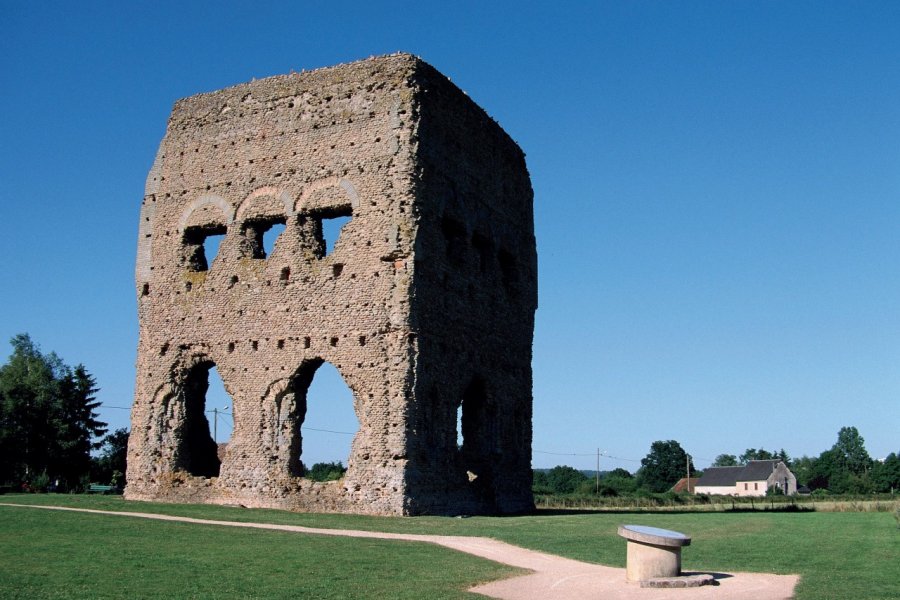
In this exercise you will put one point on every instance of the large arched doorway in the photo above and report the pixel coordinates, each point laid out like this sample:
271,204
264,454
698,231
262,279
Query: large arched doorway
325,421
197,451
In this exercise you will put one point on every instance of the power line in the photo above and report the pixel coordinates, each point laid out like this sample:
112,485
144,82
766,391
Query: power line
625,459
328,431
636,460
565,453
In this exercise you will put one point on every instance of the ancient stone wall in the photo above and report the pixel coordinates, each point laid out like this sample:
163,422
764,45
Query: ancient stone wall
425,305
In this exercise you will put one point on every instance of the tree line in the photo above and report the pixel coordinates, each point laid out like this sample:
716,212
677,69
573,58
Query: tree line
845,468
48,422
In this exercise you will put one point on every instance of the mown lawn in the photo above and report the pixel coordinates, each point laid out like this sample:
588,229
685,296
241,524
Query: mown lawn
55,554
838,555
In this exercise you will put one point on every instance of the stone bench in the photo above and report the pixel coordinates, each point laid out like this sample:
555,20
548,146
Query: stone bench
652,552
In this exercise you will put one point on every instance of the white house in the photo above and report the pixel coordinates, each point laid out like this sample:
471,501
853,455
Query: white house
753,479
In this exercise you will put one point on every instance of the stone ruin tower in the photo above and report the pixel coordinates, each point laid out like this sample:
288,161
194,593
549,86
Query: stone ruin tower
425,305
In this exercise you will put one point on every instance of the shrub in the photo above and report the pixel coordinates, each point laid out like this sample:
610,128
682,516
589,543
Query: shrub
564,479
40,483
326,471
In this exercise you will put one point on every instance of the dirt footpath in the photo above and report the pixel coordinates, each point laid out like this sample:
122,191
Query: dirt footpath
552,577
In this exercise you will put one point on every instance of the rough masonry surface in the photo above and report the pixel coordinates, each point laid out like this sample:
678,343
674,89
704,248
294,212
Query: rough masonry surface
425,305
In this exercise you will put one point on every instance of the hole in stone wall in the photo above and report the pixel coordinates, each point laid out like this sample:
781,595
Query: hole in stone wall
198,452
145,290
329,224
459,431
262,234
285,274
337,269
271,235
508,270
331,231
218,410
483,247
454,239
475,420
211,246
202,245
325,418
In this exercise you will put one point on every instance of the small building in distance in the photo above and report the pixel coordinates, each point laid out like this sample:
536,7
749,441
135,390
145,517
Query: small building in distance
685,485
753,479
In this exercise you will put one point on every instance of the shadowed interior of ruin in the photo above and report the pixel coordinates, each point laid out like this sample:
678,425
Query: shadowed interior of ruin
197,452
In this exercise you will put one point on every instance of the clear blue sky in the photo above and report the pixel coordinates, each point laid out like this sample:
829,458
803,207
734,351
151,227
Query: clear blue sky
717,197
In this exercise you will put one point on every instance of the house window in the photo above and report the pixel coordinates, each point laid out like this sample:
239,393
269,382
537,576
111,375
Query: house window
756,486
745,487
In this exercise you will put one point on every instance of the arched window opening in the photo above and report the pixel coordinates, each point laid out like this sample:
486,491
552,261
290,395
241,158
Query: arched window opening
485,254
270,236
219,410
262,234
202,245
509,270
198,452
454,239
475,420
328,229
326,422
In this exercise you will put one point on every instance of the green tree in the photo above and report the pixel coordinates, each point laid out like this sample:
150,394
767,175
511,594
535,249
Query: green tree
331,471
111,465
47,416
28,386
539,483
850,451
76,425
666,463
824,469
803,469
886,474
844,468
563,479
754,454
725,460
620,473
618,482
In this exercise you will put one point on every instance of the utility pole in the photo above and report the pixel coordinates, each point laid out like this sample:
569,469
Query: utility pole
215,424
687,466
598,471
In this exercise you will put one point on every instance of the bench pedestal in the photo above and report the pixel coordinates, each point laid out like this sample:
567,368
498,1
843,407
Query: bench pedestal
652,552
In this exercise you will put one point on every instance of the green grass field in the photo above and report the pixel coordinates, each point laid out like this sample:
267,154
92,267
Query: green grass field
54,555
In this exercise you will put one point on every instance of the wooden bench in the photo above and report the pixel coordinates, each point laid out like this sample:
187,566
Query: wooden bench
95,488
652,552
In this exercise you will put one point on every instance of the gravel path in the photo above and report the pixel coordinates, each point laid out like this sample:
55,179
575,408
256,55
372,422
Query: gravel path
552,577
